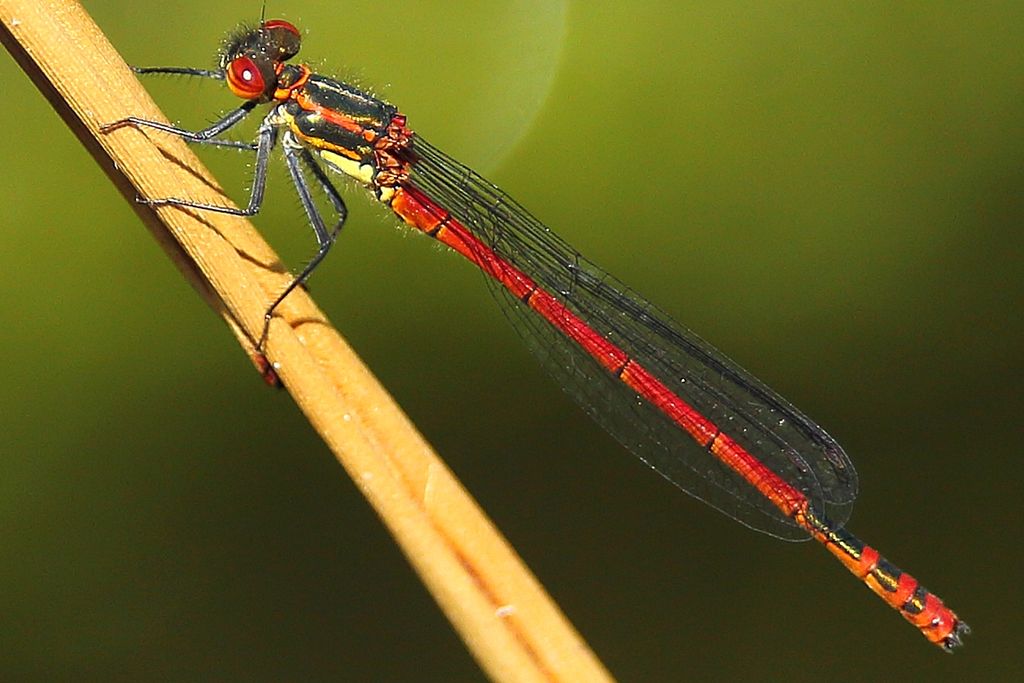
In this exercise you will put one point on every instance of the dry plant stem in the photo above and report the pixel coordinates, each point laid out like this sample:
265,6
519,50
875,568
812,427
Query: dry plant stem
509,623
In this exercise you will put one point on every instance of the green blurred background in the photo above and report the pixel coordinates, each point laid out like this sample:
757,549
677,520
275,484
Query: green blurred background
829,192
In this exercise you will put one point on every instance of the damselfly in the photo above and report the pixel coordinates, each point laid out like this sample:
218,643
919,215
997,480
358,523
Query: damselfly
696,417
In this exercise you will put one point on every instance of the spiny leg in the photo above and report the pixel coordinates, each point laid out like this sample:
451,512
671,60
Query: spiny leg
333,196
325,238
267,138
180,71
204,136
265,144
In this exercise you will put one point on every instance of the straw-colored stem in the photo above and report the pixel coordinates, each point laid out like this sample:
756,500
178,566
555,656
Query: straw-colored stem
502,613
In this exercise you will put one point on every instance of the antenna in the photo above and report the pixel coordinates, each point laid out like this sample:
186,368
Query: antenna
263,13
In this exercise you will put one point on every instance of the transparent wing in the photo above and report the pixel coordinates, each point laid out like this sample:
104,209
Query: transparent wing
760,420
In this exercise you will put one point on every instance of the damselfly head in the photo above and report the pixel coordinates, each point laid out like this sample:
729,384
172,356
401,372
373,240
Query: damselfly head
252,58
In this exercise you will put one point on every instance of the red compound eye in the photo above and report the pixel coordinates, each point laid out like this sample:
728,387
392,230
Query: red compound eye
245,79
281,23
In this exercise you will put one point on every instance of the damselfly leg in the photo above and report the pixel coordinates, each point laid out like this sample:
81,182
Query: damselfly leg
295,154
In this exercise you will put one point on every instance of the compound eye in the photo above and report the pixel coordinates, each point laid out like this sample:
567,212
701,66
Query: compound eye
245,78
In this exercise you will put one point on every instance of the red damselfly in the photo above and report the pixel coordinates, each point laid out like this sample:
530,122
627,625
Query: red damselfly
696,417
